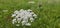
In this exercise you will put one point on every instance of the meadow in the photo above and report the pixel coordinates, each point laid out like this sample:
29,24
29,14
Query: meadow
48,13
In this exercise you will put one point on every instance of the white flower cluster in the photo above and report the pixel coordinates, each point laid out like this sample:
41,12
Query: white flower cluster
23,16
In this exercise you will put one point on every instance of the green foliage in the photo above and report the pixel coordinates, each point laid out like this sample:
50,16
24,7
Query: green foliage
48,13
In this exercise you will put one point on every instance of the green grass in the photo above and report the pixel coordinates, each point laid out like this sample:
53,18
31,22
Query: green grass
48,15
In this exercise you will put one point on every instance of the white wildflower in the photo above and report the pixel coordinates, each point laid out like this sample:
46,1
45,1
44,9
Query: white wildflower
23,23
23,16
16,12
31,19
14,21
21,10
17,25
13,15
28,24
29,10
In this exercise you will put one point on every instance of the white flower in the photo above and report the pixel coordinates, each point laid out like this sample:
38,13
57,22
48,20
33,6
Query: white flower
28,24
23,23
29,10
16,12
13,15
19,20
23,16
21,10
31,19
17,25
14,21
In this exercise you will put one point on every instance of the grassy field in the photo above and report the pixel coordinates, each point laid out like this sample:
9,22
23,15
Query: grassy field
48,13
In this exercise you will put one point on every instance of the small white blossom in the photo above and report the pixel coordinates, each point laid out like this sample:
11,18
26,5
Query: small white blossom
17,25
28,24
21,10
13,15
34,15
14,21
16,12
23,16
29,10
23,23
31,19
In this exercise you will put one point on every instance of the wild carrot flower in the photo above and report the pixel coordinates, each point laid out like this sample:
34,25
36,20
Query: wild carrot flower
23,16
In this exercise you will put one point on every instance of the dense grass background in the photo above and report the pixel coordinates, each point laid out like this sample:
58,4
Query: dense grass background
48,13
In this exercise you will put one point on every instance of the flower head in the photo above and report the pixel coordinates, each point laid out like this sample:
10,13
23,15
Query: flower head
23,16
